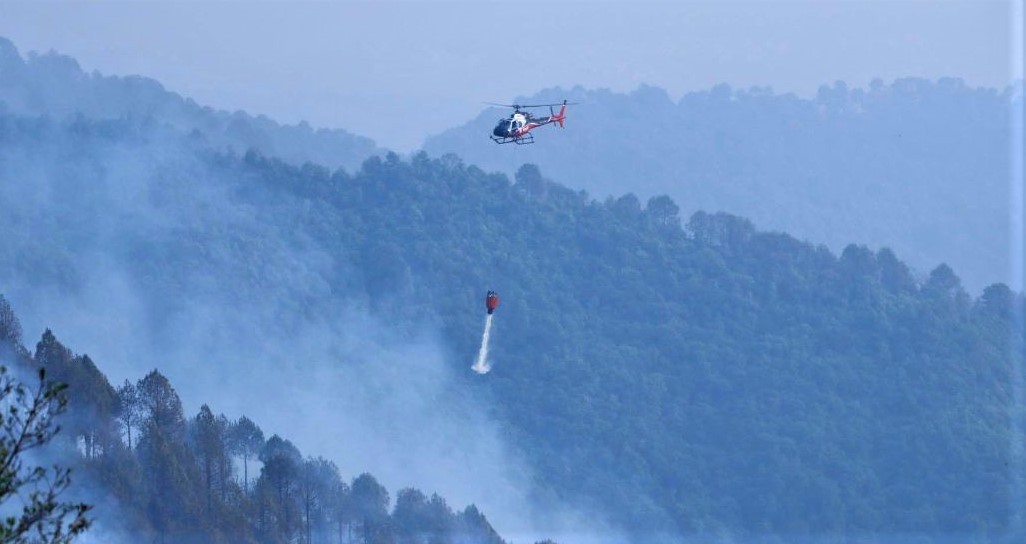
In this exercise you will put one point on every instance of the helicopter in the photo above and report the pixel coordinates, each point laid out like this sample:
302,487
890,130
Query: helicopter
518,126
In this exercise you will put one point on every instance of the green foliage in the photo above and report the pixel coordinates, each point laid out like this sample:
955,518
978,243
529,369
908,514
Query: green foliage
10,327
130,410
918,165
246,440
178,484
676,376
682,375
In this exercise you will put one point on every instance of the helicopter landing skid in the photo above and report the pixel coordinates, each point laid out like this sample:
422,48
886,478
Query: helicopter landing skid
521,140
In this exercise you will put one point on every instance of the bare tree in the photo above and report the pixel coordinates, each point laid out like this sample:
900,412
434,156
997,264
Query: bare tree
27,422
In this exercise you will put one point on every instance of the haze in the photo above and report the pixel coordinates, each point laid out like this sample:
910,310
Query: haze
400,71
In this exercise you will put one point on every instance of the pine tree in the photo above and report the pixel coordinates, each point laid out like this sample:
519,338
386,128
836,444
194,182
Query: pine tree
318,480
282,462
129,409
208,437
173,506
370,500
10,327
162,409
245,439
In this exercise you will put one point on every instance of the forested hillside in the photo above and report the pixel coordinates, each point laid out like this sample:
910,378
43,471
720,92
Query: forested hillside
54,85
684,376
153,474
697,378
923,167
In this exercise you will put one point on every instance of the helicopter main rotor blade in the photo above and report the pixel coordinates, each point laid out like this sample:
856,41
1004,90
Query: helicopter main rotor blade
549,105
519,106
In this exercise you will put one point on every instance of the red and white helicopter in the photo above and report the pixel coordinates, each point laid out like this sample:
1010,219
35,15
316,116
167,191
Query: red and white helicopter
518,126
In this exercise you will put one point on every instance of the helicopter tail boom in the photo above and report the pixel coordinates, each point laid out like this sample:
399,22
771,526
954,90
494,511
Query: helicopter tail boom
559,117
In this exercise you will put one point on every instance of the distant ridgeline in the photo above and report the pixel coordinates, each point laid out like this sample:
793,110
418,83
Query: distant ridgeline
702,378
154,475
923,167
54,85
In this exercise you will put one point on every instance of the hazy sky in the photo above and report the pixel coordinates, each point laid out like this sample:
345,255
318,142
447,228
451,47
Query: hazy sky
398,71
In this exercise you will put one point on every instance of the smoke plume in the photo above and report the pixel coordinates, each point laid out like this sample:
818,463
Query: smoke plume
481,366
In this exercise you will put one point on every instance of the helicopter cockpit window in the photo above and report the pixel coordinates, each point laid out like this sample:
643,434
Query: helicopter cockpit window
502,128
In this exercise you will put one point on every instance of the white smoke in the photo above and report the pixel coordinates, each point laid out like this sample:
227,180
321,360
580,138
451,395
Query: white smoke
481,366
257,330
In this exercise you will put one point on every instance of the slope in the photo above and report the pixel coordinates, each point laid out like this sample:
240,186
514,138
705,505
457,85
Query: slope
670,377
178,480
54,85
923,167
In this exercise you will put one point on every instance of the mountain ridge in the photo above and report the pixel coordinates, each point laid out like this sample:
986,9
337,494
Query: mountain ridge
916,165
672,370
54,84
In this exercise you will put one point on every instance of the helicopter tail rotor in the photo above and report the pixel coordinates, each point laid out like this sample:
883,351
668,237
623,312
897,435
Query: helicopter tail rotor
561,116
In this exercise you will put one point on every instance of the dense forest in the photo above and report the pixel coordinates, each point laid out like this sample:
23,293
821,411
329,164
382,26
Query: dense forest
704,368
156,475
920,166
672,374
